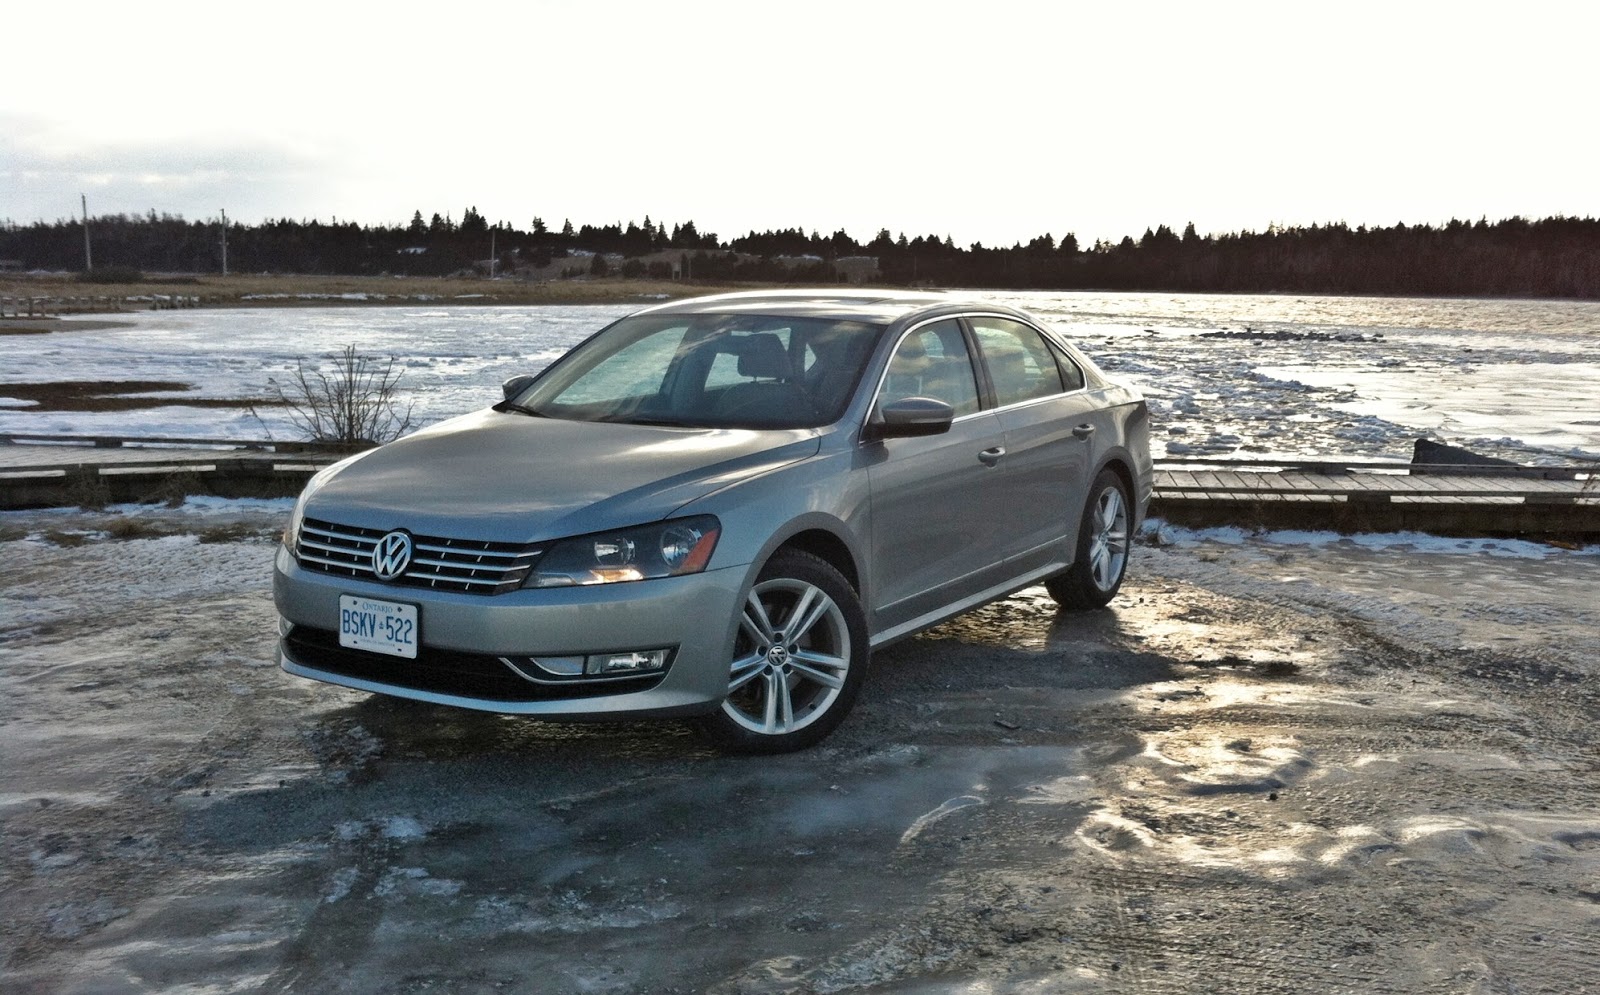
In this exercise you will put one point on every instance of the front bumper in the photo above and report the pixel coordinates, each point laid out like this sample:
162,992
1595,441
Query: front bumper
463,635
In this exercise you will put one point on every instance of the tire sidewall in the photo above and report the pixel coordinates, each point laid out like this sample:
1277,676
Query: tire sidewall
1076,587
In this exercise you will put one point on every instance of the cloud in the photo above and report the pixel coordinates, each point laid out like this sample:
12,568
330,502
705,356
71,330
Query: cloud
45,167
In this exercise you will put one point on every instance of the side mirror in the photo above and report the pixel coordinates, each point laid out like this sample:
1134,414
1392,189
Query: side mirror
517,385
911,416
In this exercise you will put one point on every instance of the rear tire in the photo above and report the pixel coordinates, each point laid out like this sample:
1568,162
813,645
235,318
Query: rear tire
798,661
1103,544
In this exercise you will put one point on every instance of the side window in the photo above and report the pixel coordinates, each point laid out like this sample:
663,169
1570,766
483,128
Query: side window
1071,373
933,362
1021,365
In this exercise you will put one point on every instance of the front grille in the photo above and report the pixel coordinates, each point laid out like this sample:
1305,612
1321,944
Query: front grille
467,675
470,566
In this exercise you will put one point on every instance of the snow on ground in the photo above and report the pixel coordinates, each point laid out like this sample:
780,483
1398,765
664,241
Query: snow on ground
197,550
1226,375
1161,533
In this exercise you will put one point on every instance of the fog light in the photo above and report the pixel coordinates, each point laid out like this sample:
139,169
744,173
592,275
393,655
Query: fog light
285,627
633,662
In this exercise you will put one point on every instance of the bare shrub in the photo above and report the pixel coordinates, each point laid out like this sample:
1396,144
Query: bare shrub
353,404
87,489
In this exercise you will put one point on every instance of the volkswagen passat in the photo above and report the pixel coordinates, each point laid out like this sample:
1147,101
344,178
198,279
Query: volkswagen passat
718,508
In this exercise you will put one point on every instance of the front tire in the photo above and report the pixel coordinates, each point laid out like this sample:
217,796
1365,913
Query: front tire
798,660
1103,544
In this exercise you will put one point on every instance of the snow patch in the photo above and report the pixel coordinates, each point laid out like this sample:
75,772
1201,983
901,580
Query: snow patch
1162,533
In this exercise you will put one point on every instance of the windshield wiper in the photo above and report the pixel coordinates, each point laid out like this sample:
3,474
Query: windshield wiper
520,409
659,422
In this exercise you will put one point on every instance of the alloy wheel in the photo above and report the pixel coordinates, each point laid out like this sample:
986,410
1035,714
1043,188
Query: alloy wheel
1108,543
791,659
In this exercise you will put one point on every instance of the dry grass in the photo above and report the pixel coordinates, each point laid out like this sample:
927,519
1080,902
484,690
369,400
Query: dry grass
135,528
287,290
61,537
235,532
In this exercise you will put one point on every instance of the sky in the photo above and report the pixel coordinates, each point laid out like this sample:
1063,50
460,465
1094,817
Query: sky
992,121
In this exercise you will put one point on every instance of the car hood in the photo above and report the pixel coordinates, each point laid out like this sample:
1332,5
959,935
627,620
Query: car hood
512,477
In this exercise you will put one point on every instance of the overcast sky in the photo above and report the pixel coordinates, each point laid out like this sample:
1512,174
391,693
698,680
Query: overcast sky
987,120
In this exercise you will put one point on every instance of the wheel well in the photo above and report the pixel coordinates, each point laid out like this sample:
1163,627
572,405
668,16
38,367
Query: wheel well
1120,468
828,547
1125,474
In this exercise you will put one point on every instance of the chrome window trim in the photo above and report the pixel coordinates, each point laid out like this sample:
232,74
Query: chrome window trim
877,390
1049,340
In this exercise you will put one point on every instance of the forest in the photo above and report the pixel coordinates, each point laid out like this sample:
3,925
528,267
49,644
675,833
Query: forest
1549,257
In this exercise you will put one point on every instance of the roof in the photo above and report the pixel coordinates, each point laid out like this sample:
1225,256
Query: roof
858,305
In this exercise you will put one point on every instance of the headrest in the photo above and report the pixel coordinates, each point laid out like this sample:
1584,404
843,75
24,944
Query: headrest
910,358
763,355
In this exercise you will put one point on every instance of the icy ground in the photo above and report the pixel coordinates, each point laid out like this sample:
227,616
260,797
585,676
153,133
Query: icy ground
1281,763
1248,376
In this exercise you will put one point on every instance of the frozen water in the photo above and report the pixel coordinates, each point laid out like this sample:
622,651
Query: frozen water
1226,375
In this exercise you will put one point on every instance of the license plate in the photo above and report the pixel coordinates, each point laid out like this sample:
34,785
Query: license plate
378,626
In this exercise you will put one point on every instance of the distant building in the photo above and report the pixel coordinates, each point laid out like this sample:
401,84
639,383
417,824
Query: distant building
10,266
856,269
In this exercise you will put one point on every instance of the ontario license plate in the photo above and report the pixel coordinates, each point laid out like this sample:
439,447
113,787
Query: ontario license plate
378,626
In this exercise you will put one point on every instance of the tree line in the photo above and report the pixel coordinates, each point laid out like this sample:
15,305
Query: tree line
1549,257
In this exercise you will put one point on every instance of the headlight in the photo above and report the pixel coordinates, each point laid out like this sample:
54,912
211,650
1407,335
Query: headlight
666,549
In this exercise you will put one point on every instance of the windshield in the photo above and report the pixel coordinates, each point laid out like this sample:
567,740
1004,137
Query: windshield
717,371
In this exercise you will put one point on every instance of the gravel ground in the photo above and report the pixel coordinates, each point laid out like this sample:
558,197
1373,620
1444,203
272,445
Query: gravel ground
1273,765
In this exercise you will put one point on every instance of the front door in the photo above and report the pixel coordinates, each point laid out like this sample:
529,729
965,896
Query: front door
935,531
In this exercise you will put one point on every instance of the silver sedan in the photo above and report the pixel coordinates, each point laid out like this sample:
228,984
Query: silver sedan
717,508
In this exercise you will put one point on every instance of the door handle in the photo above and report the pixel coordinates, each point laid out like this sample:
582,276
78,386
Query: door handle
1083,431
989,457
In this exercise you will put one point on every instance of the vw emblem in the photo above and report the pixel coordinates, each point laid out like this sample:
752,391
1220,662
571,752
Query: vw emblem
391,556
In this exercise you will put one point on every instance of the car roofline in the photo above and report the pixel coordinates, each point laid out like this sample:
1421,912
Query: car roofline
875,305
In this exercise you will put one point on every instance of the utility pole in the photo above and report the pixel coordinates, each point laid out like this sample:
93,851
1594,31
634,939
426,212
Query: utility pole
88,261
224,242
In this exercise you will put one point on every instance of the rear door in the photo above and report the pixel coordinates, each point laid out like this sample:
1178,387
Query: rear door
1050,425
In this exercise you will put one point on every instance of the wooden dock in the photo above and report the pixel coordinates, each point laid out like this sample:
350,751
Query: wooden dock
53,470
93,471
1369,497
50,307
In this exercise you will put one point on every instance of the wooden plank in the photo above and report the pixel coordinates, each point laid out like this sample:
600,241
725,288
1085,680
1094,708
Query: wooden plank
1248,481
184,462
1224,485
1369,488
1238,483
1315,483
1209,480
1462,483
1464,487
107,441
1413,485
